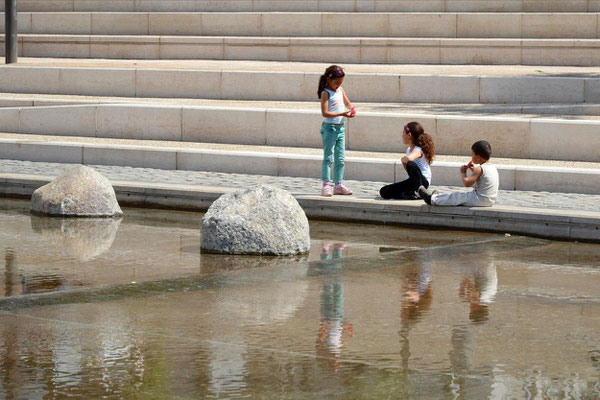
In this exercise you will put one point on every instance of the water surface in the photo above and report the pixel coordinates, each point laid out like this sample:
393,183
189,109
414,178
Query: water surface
131,309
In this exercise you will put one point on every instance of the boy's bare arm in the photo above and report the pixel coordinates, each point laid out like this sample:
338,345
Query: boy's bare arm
476,172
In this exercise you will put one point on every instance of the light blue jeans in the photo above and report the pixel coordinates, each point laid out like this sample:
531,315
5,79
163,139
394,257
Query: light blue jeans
334,144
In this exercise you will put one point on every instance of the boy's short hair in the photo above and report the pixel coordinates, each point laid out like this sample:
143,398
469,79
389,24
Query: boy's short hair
483,149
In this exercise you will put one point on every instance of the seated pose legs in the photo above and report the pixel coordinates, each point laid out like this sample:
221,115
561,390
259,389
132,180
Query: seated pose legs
407,188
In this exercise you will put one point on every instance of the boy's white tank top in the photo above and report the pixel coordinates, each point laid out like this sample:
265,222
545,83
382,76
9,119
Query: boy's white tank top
487,184
336,105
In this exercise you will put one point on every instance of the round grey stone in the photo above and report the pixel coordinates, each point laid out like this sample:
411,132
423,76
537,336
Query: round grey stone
77,192
264,220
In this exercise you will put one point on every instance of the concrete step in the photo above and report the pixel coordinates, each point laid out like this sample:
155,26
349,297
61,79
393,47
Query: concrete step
334,24
296,162
510,137
574,52
312,5
299,85
528,213
583,111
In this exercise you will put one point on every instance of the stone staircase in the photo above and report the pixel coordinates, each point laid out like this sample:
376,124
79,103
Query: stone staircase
159,83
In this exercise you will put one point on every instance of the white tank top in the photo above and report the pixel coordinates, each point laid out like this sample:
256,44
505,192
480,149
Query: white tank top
422,163
336,105
488,182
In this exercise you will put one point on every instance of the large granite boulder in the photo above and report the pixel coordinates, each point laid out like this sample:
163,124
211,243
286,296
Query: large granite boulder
78,192
265,220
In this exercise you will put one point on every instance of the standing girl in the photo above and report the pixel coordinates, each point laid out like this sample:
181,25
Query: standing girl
333,108
417,161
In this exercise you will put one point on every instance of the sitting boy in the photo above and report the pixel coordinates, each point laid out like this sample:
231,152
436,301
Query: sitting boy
483,178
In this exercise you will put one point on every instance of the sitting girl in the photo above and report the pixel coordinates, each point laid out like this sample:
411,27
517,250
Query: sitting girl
417,161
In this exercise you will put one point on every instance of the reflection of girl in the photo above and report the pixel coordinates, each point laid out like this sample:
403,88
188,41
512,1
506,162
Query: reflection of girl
417,297
332,328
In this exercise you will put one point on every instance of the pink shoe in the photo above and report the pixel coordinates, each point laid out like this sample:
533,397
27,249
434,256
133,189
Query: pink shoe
326,191
341,189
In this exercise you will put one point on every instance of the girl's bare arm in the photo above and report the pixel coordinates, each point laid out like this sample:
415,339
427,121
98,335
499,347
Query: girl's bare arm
347,101
412,156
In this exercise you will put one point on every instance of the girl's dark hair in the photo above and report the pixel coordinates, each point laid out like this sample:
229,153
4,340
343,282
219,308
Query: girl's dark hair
421,139
333,71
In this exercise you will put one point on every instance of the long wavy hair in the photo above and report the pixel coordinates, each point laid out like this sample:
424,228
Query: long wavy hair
333,71
421,139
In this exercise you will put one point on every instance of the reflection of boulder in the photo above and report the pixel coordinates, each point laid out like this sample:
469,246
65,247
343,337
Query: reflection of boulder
257,303
265,220
215,263
78,192
80,238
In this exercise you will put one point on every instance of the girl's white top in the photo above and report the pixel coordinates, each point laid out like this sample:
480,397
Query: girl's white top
422,163
488,182
336,105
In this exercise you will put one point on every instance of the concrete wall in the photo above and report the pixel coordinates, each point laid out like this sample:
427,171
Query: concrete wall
336,24
265,85
312,5
580,52
379,132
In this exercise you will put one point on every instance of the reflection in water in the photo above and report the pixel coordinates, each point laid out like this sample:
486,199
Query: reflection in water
10,272
333,329
80,238
261,329
478,288
417,297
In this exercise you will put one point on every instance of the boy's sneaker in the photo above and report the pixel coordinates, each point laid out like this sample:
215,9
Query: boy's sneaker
426,194
341,189
326,191
410,196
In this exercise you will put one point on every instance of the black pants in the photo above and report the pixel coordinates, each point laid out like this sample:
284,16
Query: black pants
406,188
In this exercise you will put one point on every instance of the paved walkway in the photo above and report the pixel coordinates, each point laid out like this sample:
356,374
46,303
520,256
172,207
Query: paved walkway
362,189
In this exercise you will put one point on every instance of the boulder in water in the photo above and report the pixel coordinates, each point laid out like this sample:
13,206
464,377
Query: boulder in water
78,192
264,220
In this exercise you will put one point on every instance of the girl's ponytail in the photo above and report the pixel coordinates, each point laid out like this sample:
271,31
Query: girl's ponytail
322,84
423,140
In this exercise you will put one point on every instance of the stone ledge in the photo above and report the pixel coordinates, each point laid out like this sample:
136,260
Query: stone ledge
311,6
535,138
512,177
366,50
552,224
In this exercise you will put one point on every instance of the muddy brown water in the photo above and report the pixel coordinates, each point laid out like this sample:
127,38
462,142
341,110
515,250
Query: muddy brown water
130,309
